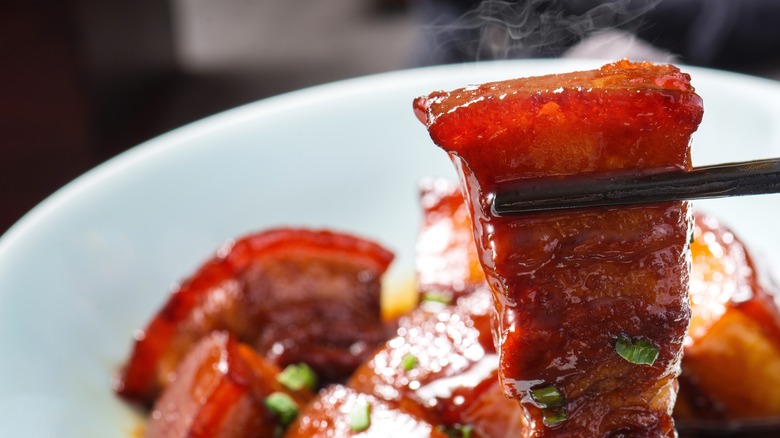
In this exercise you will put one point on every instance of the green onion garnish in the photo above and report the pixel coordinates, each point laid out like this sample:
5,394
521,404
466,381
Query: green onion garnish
552,402
547,396
636,350
457,431
554,416
408,362
360,417
692,239
437,297
298,376
281,405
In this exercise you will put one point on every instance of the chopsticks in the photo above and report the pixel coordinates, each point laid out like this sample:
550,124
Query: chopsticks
598,190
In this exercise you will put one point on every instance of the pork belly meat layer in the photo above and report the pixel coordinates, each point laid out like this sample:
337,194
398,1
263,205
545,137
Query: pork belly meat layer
295,295
339,411
731,368
446,259
570,287
220,390
443,360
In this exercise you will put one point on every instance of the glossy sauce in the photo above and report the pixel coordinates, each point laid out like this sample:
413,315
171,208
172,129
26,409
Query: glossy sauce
296,295
446,259
454,377
731,368
219,392
566,285
329,416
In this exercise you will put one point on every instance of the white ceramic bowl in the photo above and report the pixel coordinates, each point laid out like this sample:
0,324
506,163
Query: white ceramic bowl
92,263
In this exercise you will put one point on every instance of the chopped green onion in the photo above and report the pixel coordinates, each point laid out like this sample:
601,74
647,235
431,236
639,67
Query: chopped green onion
360,417
547,396
692,239
408,362
437,297
552,402
298,376
554,416
636,350
283,406
457,431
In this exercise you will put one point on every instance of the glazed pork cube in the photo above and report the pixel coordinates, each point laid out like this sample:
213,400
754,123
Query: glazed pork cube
295,295
592,304
341,412
731,366
225,389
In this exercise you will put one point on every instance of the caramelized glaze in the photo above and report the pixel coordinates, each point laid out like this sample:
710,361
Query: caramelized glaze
296,295
454,377
731,368
329,417
219,392
567,285
446,259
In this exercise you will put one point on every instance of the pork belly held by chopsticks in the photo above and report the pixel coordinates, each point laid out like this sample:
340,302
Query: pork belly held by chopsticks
592,304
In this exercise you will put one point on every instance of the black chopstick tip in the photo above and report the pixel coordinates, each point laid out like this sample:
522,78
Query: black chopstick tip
723,180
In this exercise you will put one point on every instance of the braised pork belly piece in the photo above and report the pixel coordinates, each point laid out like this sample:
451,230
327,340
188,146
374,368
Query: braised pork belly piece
294,295
731,364
446,258
443,357
339,411
592,304
224,389
731,367
443,360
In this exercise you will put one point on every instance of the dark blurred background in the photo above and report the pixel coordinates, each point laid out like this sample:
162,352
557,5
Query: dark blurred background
83,80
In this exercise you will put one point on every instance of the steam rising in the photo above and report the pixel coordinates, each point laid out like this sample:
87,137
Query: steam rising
534,28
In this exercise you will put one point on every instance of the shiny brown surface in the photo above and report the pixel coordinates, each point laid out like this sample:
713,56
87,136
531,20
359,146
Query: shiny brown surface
732,361
454,377
731,369
446,258
329,416
569,284
219,391
294,295
455,374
